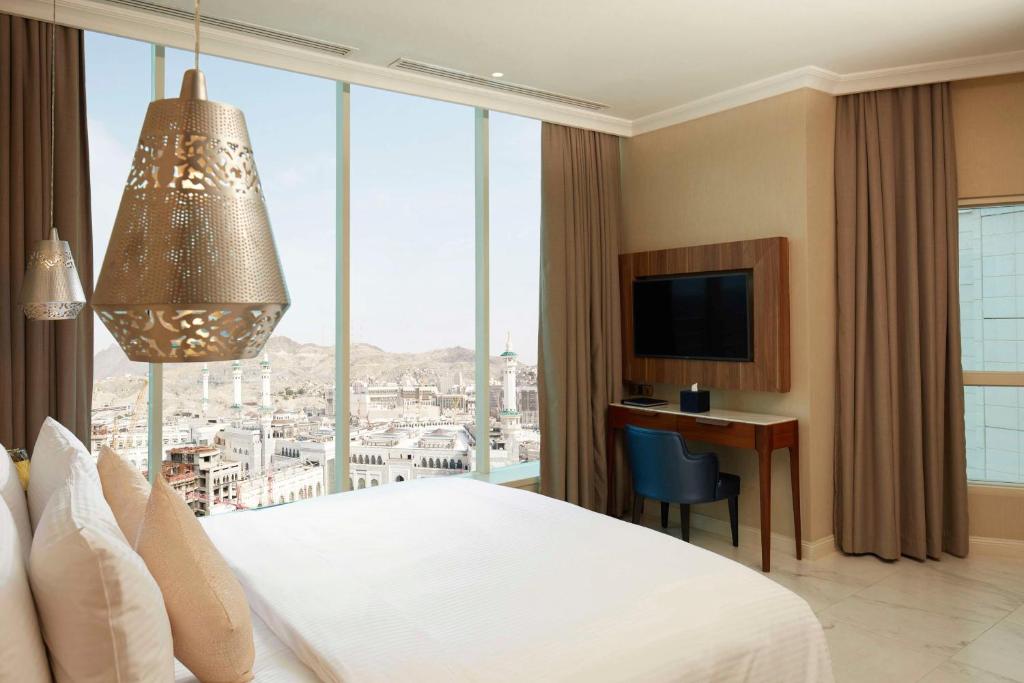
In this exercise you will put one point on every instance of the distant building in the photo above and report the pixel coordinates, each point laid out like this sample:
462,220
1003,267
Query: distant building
184,480
217,489
403,453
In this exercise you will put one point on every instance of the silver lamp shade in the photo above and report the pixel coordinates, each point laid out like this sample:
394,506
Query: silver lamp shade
51,289
191,272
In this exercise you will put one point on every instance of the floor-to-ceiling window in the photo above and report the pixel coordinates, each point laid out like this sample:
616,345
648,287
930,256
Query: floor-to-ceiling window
515,284
992,332
118,85
268,420
411,399
262,431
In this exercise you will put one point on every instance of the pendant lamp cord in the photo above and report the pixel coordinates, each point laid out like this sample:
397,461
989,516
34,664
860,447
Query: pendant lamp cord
53,108
197,36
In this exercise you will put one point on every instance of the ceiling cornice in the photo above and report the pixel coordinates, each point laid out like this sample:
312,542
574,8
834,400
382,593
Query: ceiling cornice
834,84
133,23
140,25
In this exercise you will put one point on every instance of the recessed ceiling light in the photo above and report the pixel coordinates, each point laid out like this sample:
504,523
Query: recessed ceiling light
497,74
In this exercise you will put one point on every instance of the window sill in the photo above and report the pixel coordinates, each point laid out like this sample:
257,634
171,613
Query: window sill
523,475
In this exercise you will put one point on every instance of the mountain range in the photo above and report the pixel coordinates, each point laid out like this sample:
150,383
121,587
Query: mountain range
301,374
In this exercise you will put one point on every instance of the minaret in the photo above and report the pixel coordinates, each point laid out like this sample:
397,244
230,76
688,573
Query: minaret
266,406
510,376
266,415
206,389
236,379
510,433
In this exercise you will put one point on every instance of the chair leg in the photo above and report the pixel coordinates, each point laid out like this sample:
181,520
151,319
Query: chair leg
734,520
664,515
638,506
684,517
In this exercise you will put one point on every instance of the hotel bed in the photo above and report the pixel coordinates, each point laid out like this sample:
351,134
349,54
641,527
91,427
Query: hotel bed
457,580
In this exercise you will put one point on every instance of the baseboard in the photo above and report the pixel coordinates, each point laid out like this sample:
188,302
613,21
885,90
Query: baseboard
751,536
1009,546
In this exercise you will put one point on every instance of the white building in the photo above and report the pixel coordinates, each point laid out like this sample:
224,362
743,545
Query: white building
405,452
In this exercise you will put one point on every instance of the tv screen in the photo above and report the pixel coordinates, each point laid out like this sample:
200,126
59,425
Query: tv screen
700,317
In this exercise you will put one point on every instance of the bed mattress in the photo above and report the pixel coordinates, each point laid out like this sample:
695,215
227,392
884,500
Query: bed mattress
457,580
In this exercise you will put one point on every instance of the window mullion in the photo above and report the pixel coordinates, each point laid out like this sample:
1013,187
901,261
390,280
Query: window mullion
483,327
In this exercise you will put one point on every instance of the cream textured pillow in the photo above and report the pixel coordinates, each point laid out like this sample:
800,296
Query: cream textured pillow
126,491
14,498
210,619
102,614
55,453
22,655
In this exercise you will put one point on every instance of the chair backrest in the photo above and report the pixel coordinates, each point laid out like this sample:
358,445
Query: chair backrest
664,470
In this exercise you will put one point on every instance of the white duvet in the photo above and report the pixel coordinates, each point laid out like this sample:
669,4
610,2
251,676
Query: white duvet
457,580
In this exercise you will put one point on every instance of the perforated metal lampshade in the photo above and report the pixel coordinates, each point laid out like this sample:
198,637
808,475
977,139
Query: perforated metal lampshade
191,272
51,289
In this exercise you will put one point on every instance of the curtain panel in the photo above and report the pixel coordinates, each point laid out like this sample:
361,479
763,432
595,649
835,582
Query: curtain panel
45,367
580,352
900,470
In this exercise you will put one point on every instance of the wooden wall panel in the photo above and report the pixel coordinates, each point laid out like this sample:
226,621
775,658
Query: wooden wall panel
768,259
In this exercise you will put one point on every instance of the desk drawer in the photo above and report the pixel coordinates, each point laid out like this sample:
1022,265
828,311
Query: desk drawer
738,434
620,417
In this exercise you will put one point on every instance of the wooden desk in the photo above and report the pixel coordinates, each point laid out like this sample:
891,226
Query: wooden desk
761,433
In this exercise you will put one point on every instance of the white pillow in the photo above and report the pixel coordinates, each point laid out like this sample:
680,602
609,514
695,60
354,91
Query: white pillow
56,451
22,655
102,613
14,497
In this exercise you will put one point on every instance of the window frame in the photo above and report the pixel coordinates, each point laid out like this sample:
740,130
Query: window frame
990,378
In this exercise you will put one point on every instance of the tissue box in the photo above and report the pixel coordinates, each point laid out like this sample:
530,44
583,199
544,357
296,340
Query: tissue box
695,401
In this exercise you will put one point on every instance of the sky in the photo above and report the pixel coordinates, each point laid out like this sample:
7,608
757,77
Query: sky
412,197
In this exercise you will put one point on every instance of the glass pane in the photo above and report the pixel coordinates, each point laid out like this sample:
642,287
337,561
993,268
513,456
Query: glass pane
995,434
261,431
992,287
412,280
515,286
114,115
992,332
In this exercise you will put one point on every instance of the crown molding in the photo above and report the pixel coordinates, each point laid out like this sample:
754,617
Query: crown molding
119,20
834,84
804,77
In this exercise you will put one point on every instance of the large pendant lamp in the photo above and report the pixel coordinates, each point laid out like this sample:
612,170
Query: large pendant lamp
191,273
51,289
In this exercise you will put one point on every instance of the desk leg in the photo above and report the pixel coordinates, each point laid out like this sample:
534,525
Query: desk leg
794,477
609,455
764,473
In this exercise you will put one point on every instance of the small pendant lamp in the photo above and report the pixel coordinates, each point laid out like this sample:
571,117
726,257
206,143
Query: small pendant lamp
51,289
191,273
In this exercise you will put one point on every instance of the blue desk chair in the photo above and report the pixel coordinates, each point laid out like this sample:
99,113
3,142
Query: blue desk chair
664,470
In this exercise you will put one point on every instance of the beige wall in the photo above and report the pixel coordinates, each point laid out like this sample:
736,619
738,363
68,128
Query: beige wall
761,170
988,120
765,169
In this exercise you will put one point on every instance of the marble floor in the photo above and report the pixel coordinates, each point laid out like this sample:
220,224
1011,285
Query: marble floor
940,622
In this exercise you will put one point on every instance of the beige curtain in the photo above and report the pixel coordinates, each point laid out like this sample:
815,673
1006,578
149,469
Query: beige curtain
900,474
45,367
580,355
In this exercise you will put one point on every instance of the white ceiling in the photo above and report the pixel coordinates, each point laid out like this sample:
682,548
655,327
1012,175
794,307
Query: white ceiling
645,56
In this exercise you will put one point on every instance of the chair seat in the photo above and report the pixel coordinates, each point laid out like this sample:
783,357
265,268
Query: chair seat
728,486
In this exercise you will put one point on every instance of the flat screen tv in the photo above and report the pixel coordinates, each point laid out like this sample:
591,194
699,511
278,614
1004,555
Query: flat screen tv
708,316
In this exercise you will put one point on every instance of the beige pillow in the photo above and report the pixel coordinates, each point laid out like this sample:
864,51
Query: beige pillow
14,497
22,655
126,491
56,451
210,620
102,614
